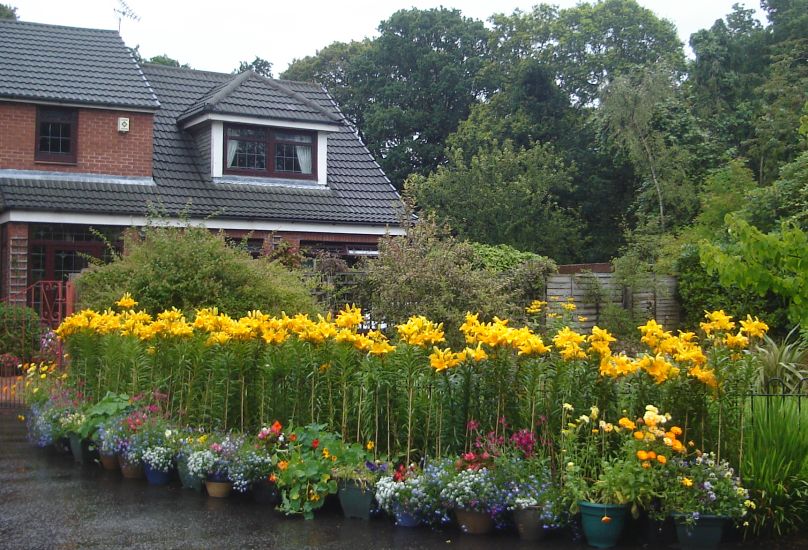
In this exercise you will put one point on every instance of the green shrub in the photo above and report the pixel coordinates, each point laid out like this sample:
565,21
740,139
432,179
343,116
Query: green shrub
189,268
502,257
699,291
20,330
428,272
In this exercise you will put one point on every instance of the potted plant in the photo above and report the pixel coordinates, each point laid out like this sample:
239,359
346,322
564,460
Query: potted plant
412,495
528,495
213,463
158,443
99,415
105,438
129,452
71,424
703,497
472,494
356,474
612,468
260,463
304,474
523,479
188,445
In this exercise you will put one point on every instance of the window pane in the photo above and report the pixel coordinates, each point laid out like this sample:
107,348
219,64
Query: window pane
250,155
54,137
256,133
296,138
293,158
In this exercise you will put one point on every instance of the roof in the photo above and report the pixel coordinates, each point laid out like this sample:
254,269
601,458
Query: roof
70,65
250,94
357,191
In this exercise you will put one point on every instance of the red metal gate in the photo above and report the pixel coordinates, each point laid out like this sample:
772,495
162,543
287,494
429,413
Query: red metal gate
27,319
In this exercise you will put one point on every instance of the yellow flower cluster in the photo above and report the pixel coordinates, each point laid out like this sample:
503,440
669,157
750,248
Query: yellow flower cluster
568,342
221,328
535,307
420,331
497,334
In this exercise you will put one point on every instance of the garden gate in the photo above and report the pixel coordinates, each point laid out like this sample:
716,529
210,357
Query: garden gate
25,317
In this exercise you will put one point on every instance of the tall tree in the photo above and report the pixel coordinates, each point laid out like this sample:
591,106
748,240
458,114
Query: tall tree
163,59
258,65
419,79
590,44
630,113
505,195
333,68
8,12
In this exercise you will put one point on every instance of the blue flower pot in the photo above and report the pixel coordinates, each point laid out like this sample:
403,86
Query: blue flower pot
405,519
602,523
156,477
705,533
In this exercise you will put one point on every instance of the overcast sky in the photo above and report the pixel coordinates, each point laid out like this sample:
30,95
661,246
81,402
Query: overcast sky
217,35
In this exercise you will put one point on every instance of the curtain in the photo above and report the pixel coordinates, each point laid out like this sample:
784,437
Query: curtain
232,147
304,158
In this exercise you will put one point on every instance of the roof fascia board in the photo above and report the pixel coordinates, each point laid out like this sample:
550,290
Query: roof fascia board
30,216
97,106
258,121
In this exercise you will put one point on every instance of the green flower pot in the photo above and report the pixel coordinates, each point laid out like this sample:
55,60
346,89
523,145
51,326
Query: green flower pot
355,500
81,449
705,533
188,481
602,523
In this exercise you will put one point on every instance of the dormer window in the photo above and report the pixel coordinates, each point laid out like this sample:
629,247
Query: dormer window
272,152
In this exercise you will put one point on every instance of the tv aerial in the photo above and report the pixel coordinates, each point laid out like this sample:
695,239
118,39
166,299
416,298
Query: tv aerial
125,12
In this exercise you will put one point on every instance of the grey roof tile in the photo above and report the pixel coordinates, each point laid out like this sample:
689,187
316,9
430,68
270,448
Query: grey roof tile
70,65
357,191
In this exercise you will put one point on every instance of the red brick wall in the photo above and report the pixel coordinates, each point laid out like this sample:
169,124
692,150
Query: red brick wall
101,149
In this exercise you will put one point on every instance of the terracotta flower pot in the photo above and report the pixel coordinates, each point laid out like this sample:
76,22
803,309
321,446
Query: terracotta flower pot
474,523
131,470
109,461
218,489
529,523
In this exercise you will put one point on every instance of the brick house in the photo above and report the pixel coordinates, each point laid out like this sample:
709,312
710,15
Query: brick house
91,142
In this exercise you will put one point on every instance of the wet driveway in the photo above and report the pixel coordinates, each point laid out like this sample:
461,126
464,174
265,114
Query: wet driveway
48,501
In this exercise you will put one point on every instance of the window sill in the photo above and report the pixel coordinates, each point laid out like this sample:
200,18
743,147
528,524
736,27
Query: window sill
269,181
57,162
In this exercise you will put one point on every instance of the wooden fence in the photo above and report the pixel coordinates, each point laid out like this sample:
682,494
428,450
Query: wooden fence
593,288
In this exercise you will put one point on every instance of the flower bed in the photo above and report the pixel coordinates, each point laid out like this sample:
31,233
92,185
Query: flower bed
540,417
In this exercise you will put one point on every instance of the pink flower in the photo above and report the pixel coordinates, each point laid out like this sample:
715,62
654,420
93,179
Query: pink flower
472,425
216,448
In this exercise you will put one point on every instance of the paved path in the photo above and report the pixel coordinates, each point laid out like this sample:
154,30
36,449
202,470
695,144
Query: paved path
47,501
